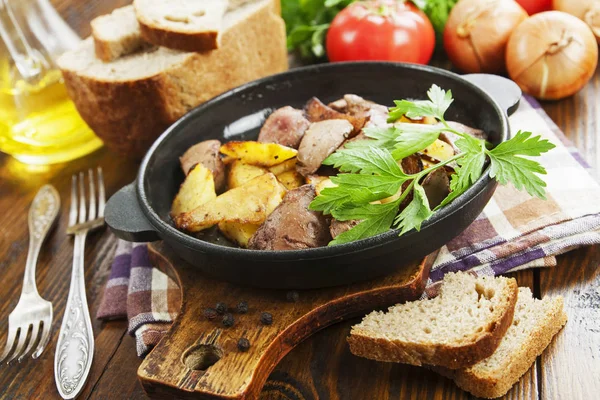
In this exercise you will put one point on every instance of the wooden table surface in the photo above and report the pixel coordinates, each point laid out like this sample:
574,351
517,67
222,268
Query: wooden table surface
321,367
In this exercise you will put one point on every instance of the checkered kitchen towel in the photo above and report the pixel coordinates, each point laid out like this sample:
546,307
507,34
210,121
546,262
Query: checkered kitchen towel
147,297
515,231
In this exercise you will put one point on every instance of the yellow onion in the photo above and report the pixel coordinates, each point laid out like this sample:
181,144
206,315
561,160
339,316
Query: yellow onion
586,10
551,55
476,33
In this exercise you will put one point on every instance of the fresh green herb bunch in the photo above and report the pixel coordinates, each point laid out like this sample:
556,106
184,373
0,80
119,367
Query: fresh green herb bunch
307,22
370,169
437,11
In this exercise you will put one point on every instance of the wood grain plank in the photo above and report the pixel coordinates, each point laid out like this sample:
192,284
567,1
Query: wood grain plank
577,116
120,375
570,367
34,379
571,364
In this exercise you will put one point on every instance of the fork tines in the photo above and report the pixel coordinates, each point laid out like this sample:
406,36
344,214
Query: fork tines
22,329
79,217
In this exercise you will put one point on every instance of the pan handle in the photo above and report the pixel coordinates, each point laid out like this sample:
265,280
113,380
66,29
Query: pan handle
503,90
125,218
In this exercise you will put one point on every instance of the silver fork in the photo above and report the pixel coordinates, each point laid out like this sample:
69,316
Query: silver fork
75,347
32,310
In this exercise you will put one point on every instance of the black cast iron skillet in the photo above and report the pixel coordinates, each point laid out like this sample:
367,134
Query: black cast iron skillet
140,211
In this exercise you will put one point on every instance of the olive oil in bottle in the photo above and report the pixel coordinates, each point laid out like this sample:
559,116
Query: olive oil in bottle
39,124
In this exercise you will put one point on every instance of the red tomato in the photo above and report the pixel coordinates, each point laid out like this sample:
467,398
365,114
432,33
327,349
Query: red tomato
536,6
381,30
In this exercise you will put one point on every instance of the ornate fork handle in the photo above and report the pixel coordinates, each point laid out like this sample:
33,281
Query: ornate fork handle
42,214
75,347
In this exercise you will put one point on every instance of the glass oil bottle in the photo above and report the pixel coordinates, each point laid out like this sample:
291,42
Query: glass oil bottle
39,124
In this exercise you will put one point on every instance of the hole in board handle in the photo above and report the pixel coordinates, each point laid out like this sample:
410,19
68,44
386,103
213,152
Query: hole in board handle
201,357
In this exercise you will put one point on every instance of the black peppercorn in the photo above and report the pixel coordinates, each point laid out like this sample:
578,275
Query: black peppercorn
228,320
221,308
210,313
243,344
242,307
266,318
292,296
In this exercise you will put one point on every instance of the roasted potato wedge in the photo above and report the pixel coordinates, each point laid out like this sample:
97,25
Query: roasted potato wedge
256,153
197,188
237,232
315,179
291,179
425,120
438,151
285,166
325,183
240,173
249,203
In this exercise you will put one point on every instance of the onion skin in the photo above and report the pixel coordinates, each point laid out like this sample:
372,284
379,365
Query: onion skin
586,10
477,31
552,55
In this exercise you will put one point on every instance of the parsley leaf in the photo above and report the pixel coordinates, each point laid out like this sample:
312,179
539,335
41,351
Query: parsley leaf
376,175
383,185
413,138
436,106
508,166
470,167
376,219
332,198
307,22
523,144
441,98
415,213
368,160
382,137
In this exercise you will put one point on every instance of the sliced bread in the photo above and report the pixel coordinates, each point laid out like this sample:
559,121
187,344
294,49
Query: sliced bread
534,325
130,101
188,25
460,327
117,34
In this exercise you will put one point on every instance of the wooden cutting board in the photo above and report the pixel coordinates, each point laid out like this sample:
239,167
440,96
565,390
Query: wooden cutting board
199,358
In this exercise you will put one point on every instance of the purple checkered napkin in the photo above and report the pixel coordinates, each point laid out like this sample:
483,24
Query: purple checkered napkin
147,297
514,231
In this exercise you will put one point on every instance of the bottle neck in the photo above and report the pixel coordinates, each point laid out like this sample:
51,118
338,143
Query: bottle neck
34,34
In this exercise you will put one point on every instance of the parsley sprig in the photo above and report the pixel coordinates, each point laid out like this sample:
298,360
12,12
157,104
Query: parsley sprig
369,187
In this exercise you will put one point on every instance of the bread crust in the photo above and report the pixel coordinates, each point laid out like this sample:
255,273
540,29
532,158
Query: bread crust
448,356
107,49
102,49
129,115
491,386
184,41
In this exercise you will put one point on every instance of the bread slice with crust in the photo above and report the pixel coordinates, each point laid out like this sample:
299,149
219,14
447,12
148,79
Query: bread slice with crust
117,34
130,101
534,325
187,25
460,327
